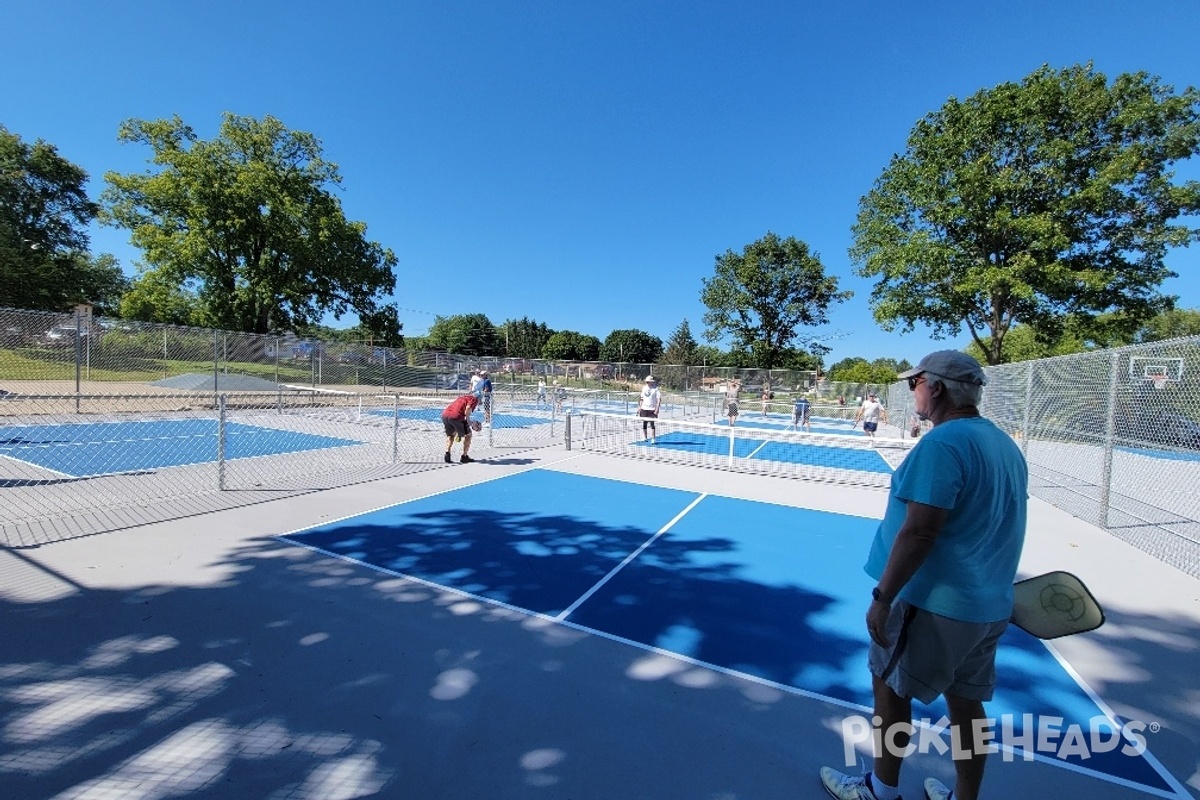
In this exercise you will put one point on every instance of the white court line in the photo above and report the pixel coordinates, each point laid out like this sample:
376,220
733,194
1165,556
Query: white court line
35,465
789,689
629,558
755,451
447,490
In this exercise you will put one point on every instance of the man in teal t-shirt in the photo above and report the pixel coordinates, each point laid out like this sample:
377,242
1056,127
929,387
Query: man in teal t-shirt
944,558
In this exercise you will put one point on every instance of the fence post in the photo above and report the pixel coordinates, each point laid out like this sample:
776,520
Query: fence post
221,443
1027,415
216,365
567,431
395,428
1110,430
78,353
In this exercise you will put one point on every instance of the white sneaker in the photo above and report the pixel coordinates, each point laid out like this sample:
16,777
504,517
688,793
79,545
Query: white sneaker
936,790
846,787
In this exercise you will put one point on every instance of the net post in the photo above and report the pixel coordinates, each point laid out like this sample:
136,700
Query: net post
567,431
731,443
221,443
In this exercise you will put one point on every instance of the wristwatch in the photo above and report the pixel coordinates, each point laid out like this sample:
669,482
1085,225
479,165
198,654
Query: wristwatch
877,596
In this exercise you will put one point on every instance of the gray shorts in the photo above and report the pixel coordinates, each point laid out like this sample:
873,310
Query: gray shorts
932,655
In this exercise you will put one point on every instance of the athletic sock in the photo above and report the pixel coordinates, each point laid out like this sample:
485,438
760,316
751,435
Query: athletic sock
881,790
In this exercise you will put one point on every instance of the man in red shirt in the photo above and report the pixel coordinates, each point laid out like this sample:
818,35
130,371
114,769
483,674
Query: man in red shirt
456,419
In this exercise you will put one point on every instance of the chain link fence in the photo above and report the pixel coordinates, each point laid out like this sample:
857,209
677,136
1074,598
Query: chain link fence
1111,436
72,465
151,422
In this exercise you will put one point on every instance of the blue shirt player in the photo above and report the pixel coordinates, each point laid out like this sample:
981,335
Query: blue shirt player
944,558
800,412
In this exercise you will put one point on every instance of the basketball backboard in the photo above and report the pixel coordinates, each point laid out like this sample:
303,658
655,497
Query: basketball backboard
1159,369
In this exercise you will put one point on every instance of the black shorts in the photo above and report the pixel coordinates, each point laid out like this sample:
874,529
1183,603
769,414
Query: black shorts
456,426
645,412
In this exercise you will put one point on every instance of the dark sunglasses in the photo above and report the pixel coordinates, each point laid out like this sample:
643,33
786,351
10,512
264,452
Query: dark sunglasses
914,381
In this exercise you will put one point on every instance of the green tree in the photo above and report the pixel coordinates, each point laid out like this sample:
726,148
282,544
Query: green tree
571,346
631,345
101,281
1032,203
464,334
44,214
800,359
855,369
1021,343
708,356
154,297
1170,325
681,347
524,338
249,219
763,296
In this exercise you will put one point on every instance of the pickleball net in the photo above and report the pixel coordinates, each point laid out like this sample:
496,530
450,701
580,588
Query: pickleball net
352,406
846,457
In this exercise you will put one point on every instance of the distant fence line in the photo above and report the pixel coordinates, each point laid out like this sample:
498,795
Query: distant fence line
42,346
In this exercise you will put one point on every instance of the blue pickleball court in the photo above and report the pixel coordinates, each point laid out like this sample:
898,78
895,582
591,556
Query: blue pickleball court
770,591
104,448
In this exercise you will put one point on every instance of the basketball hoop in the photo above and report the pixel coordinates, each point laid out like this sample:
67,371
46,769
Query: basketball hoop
1159,381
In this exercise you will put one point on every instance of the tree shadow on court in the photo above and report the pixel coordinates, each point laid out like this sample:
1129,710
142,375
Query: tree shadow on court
280,672
287,673
679,600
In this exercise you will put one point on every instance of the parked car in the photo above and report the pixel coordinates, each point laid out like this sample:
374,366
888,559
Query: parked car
521,365
363,355
1161,426
304,351
62,335
456,382
12,336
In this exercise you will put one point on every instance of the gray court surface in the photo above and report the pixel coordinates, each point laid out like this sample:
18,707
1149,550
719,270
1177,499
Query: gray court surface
205,658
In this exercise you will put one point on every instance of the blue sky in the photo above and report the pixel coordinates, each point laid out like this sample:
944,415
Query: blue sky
582,162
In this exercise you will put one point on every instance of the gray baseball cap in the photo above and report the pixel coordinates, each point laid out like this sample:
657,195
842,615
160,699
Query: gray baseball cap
951,364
